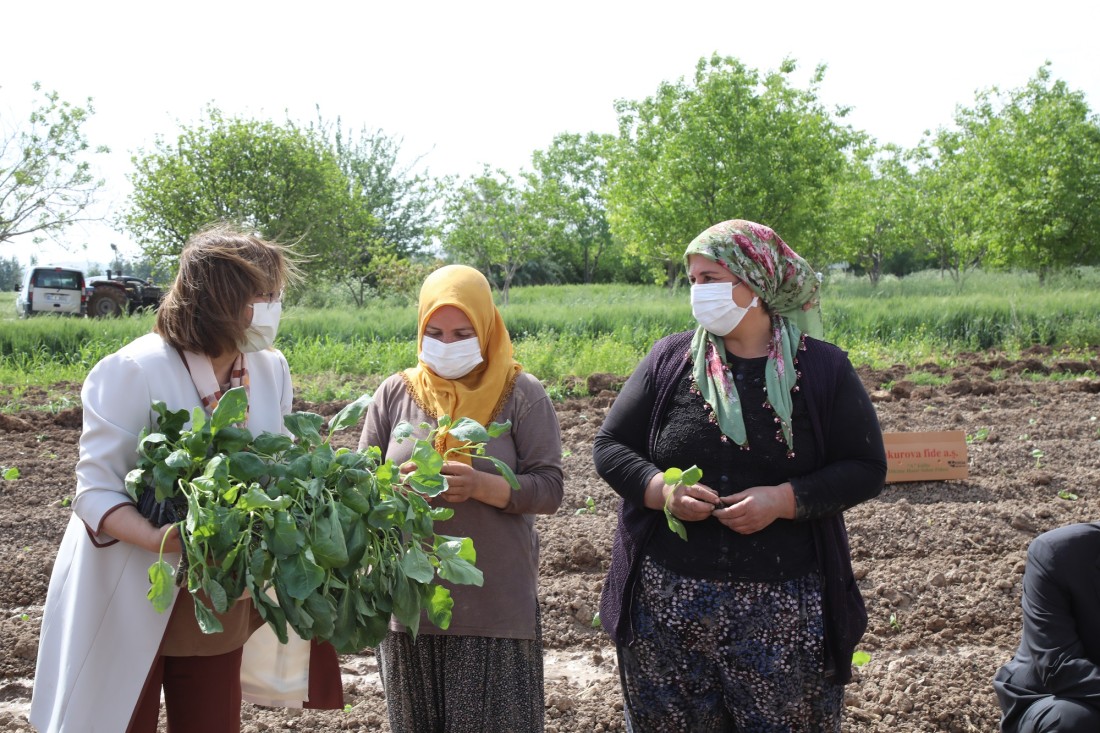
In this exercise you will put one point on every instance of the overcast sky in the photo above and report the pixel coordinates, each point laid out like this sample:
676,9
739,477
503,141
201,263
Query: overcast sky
471,83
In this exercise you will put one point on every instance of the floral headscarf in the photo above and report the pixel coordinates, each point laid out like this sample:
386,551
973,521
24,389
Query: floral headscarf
789,287
481,394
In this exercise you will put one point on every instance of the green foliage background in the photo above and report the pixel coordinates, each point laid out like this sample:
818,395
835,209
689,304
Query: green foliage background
562,334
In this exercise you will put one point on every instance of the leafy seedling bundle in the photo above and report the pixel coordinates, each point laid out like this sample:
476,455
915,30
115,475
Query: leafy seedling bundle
330,542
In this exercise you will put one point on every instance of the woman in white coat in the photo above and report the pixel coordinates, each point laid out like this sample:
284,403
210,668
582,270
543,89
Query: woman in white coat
105,653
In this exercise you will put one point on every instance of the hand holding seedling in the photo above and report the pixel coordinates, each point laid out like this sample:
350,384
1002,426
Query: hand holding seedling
680,495
126,524
754,509
466,482
460,481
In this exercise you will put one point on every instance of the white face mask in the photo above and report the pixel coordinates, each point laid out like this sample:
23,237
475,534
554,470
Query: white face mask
261,332
453,360
713,307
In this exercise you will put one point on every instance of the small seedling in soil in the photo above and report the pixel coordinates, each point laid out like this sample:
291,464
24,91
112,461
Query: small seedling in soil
1037,455
596,620
676,478
979,435
9,473
895,624
860,658
1067,495
588,508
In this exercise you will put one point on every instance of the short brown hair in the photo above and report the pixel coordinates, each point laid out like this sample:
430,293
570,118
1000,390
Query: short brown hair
221,269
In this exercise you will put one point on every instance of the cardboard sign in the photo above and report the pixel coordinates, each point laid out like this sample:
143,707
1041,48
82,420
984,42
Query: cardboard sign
925,456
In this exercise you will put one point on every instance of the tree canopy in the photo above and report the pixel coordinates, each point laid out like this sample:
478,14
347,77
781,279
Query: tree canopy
46,178
281,180
734,144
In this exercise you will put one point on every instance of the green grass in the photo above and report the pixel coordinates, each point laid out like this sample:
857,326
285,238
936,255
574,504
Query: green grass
564,332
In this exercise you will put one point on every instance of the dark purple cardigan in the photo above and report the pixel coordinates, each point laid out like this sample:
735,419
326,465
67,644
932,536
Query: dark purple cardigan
821,364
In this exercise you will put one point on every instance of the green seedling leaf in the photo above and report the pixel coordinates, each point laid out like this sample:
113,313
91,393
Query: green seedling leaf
246,466
178,460
305,426
497,429
427,483
284,538
323,613
428,461
301,573
198,421
231,439
350,415
860,658
327,540
135,483
257,499
161,586
218,598
1067,495
321,460
270,444
469,430
11,473
403,430
456,560
208,622
675,477
506,472
439,605
416,565
232,408
164,479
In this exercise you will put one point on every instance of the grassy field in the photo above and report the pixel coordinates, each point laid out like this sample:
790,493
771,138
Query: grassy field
562,332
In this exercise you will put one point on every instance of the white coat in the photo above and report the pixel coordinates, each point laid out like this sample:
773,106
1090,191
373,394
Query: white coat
100,634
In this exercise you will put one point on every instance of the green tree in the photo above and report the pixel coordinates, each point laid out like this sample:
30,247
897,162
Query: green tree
11,274
485,224
871,219
389,213
565,192
1036,151
734,144
283,181
946,214
46,180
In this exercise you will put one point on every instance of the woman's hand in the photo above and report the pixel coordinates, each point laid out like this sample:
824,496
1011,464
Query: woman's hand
463,481
754,509
466,482
126,523
688,503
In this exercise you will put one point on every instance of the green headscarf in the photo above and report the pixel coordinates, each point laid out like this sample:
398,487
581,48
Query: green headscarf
789,287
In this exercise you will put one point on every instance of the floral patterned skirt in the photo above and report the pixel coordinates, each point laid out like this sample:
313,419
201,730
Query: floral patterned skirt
463,684
727,655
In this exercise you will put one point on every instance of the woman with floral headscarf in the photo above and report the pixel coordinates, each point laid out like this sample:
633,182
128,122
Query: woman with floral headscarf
750,623
483,673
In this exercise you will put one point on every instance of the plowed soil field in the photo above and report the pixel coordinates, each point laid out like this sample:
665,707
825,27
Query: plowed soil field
940,563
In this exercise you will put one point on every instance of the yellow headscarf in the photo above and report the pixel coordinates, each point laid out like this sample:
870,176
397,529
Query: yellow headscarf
481,394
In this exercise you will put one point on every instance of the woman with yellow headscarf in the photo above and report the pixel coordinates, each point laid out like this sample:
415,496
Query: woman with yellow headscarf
483,673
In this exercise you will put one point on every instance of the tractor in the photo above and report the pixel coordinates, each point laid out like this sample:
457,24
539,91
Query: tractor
112,296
